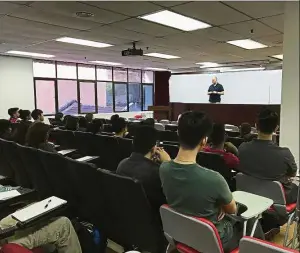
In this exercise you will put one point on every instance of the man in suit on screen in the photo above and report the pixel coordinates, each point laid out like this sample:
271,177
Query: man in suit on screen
215,91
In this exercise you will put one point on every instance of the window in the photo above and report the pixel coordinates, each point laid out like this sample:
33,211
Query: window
120,75
147,76
87,97
120,97
135,98
104,73
86,72
134,76
67,96
105,97
148,96
65,70
44,69
45,95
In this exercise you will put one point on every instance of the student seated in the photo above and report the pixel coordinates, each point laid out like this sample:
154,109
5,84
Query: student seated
72,123
37,115
37,137
143,164
264,159
119,127
95,126
13,114
148,122
196,191
58,119
5,129
19,134
58,232
245,132
89,118
219,146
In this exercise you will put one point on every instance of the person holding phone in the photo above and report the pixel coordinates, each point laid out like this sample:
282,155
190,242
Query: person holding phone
144,162
215,91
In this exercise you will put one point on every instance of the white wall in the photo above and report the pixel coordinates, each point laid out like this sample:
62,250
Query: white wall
16,84
248,87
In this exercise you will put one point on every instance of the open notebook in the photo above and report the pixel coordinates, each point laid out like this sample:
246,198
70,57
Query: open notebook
37,209
9,194
66,151
86,158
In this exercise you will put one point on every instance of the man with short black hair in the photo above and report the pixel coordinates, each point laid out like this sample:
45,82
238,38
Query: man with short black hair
14,114
142,164
196,191
264,159
37,115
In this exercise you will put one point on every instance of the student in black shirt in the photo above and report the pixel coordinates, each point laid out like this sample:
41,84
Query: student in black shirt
20,131
142,164
5,129
215,91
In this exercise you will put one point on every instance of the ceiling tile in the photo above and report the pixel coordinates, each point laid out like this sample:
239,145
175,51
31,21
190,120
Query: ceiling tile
244,28
217,34
68,10
129,8
6,7
276,22
169,3
258,9
272,40
221,14
146,27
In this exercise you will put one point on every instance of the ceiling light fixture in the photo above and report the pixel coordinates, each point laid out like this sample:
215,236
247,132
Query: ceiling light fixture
207,64
238,70
30,54
106,63
172,19
278,56
164,56
156,69
87,43
247,44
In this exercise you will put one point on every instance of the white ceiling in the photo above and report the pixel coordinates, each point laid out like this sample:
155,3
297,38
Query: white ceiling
34,26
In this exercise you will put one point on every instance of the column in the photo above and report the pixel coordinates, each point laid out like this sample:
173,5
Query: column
289,119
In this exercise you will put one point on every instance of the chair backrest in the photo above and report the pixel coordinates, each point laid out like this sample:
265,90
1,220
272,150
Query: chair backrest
215,162
164,121
232,128
36,171
171,127
250,245
83,142
129,219
159,126
172,150
107,128
197,233
168,136
5,167
64,138
236,141
125,148
269,189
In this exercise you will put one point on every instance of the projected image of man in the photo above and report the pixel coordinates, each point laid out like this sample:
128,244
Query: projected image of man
215,91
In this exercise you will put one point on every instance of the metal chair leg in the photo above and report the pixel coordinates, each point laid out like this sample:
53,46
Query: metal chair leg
287,229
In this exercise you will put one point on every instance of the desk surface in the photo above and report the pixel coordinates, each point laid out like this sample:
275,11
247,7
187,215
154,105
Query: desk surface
255,204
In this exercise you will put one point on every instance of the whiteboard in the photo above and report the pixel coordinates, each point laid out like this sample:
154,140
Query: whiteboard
248,87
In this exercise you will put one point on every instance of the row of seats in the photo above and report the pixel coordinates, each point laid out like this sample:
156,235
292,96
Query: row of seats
94,195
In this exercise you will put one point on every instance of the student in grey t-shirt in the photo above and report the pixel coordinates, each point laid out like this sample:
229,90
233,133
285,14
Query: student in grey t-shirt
264,159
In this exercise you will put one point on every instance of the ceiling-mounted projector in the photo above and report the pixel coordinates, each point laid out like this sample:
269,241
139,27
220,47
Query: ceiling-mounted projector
132,51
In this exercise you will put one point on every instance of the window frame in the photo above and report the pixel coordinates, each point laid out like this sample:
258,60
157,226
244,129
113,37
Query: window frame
78,81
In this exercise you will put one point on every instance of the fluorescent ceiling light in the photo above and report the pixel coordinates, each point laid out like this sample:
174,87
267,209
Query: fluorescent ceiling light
278,56
106,63
88,43
175,20
164,56
247,44
237,70
30,54
207,64
156,69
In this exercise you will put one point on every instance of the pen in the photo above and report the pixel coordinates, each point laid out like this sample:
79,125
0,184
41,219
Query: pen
49,201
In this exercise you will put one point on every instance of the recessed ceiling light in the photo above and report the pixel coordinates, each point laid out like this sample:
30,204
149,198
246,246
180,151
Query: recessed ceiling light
156,69
237,70
207,64
164,56
247,44
88,43
106,63
278,56
30,54
84,14
175,20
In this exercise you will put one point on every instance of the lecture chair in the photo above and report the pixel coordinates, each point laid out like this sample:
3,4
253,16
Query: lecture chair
124,148
164,121
5,168
107,128
272,190
168,136
83,142
36,171
171,127
172,150
252,245
64,138
216,163
159,127
15,248
190,234
129,220
236,141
